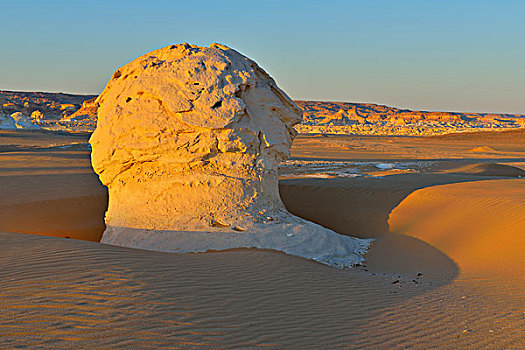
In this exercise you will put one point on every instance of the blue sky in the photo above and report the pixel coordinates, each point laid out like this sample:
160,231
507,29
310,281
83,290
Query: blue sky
432,55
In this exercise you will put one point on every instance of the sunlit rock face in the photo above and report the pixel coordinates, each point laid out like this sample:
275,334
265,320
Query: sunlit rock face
87,113
188,140
37,116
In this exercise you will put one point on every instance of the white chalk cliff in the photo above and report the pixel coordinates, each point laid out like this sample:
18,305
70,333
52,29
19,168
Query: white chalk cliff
188,140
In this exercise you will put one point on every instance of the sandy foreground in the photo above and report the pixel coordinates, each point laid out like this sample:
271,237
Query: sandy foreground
446,269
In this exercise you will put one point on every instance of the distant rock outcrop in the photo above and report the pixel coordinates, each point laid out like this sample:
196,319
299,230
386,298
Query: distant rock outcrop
86,113
23,122
84,119
46,108
6,122
371,119
37,116
188,141
61,112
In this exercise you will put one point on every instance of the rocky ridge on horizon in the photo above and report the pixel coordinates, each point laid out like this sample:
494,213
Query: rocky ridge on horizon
78,113
46,109
373,119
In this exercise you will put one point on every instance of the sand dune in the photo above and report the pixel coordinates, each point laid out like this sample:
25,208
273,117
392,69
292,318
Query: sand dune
239,299
487,169
250,298
445,271
482,149
479,225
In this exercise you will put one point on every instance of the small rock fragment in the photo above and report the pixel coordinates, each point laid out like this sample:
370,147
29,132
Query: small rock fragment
215,223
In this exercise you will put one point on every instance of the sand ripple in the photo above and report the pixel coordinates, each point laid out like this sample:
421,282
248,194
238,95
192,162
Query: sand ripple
59,293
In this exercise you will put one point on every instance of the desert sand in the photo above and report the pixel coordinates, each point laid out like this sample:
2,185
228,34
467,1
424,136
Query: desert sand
445,270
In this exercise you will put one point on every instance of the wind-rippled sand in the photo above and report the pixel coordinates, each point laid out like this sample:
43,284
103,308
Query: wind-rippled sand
445,272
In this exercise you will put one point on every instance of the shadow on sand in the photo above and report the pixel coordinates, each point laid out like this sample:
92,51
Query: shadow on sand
360,207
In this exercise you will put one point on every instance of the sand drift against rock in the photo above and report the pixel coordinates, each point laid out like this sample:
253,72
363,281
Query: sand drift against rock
188,142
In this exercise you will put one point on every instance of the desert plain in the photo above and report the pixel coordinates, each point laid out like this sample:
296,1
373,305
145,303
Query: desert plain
445,269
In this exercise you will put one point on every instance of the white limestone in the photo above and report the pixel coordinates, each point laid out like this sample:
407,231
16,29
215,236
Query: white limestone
188,140
6,122
23,122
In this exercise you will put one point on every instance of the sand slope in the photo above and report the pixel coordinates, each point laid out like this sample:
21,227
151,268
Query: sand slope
479,225
61,293
445,271
62,205
487,169
47,185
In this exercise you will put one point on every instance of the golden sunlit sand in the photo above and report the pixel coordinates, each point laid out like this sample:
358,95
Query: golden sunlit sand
445,270
274,174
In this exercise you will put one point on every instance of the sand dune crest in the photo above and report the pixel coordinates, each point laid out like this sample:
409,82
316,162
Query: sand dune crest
478,224
487,169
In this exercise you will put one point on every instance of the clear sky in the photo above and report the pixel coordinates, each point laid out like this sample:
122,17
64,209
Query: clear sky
454,55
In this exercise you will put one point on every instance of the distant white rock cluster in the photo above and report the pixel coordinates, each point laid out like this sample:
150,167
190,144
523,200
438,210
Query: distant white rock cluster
6,122
23,122
46,109
16,120
188,141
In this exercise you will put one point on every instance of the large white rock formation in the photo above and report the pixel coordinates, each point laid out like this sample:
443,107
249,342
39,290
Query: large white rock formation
188,140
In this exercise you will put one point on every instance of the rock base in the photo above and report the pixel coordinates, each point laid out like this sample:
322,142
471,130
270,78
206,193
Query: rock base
296,237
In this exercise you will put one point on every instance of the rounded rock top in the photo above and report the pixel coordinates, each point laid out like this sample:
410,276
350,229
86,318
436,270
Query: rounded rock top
187,93
203,84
